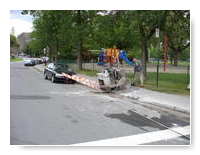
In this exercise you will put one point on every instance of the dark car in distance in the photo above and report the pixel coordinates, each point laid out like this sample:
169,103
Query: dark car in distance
29,62
54,72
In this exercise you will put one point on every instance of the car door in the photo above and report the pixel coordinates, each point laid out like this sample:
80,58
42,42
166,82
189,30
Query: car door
49,70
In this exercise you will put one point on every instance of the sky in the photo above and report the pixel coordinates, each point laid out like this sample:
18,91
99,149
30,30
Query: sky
21,23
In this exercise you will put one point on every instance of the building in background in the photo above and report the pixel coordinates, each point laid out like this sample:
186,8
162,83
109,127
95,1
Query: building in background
14,46
12,31
23,40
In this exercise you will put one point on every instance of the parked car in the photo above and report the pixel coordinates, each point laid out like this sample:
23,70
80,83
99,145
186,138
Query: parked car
29,62
54,72
38,61
45,59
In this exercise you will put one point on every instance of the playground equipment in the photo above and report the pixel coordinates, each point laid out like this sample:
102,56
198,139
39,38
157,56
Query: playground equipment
112,78
112,56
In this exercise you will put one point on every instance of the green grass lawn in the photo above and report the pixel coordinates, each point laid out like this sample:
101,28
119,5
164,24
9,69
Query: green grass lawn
15,59
87,72
168,83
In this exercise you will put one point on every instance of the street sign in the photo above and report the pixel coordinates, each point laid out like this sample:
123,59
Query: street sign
157,32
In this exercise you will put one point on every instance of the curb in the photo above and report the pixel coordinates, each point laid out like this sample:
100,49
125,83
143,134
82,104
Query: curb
38,69
142,102
138,101
168,107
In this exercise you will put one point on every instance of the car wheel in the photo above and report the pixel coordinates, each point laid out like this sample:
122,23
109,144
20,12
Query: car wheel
72,82
53,79
45,75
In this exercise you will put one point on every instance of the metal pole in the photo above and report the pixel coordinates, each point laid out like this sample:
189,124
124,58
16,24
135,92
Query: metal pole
157,73
158,36
92,63
158,63
188,69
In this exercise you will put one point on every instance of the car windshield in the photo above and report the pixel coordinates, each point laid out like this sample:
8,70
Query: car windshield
62,68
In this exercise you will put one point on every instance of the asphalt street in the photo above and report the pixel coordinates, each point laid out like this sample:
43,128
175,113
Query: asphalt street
45,113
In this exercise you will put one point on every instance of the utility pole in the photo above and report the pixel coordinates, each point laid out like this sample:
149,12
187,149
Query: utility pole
165,51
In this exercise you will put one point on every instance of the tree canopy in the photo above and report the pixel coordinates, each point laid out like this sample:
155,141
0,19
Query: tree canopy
13,41
70,33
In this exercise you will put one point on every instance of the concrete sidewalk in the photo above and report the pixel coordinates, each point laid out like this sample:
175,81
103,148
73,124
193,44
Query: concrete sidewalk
40,67
172,101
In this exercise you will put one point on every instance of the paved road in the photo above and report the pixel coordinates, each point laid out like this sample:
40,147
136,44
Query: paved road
44,113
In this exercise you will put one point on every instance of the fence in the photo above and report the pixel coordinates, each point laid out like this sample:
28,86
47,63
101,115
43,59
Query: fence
176,77
172,75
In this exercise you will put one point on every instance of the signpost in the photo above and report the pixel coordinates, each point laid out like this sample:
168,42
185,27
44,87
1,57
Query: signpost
157,36
157,32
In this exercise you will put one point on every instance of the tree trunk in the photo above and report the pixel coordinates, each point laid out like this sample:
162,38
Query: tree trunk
171,60
53,53
176,57
56,52
147,54
144,58
79,48
50,53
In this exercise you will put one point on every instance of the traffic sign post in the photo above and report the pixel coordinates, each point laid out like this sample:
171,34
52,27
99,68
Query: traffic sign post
157,34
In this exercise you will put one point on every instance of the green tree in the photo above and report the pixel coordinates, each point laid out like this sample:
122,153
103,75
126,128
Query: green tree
82,21
46,25
70,33
64,32
143,24
13,41
178,31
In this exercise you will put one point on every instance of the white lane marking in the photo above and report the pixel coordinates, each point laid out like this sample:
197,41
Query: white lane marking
140,138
